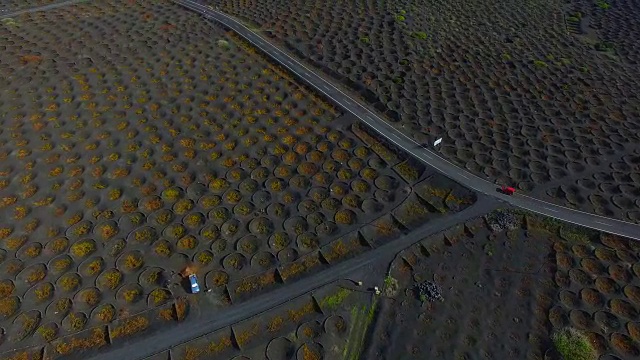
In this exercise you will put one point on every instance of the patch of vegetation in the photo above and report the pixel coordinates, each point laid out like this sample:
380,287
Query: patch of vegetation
131,295
361,317
333,301
5,232
573,345
111,279
58,245
14,243
130,326
344,217
107,231
77,321
44,291
97,339
8,306
63,305
163,249
106,314
117,247
83,248
36,275
69,282
489,249
172,194
576,234
95,266
296,314
28,323
133,261
360,186
32,251
604,47
6,288
205,257
188,242
159,296
554,226
540,64
61,265
144,235
603,5
193,220
420,35
390,287
408,171
182,307
48,333
167,314
275,324
91,297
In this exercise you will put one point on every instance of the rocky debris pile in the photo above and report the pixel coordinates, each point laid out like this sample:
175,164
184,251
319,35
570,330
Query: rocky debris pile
429,291
502,220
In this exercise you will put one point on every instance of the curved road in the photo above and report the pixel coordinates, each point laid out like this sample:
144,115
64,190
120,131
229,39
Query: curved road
395,136
161,341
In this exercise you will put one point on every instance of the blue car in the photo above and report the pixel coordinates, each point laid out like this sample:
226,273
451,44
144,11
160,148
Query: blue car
195,288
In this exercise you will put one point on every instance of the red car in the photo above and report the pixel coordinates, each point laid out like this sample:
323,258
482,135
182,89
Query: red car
508,190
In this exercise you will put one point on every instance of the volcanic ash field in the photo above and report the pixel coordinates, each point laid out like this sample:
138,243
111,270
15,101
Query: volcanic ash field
541,94
139,140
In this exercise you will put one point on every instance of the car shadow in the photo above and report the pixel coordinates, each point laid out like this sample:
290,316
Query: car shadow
186,284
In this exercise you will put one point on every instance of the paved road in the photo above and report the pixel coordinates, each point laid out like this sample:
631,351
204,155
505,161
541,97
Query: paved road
151,345
8,13
421,153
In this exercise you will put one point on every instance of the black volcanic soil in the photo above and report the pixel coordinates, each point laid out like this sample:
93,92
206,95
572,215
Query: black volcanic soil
312,327
505,293
16,5
520,95
611,191
137,140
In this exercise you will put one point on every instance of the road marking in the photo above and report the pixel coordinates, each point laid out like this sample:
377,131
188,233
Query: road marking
579,211
550,209
398,139
463,175
601,223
